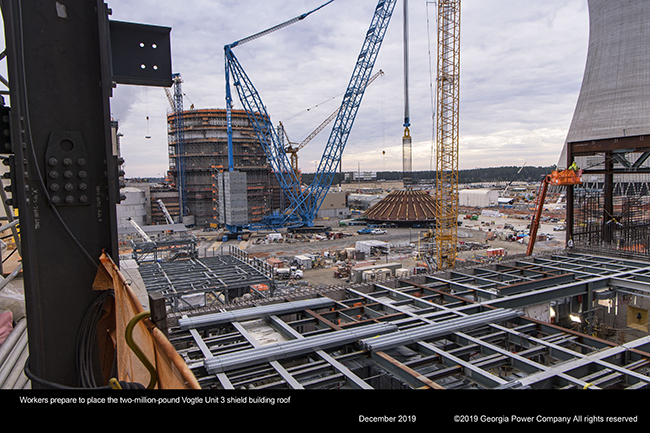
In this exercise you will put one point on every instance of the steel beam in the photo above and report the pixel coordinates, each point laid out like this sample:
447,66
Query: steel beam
60,86
353,380
595,359
473,372
291,381
405,373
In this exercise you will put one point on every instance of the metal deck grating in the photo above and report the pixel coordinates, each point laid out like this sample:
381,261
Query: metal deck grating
508,352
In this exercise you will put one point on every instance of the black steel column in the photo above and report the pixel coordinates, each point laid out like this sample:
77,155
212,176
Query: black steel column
65,188
608,198
569,200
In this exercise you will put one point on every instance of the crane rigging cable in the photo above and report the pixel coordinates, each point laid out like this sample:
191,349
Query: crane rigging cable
307,110
431,91
407,158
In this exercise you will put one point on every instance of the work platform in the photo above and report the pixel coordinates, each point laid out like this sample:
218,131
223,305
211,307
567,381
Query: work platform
502,326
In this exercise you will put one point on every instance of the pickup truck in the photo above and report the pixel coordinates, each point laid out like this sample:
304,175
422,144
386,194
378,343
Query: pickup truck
378,232
365,231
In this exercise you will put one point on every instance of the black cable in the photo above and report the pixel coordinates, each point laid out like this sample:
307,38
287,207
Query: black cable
86,345
9,236
47,384
52,385
87,339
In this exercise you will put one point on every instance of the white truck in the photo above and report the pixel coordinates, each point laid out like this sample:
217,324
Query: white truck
288,273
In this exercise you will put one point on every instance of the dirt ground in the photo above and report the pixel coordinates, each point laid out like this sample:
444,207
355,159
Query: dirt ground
486,232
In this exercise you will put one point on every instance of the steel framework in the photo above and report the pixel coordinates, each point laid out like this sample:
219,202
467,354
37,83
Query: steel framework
217,280
468,329
448,96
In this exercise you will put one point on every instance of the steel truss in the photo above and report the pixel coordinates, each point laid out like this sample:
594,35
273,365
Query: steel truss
217,280
447,130
460,329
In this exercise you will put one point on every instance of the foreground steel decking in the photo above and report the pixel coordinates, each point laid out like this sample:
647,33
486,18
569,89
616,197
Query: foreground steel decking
461,329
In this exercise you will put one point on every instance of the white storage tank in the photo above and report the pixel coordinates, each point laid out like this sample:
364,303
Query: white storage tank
134,207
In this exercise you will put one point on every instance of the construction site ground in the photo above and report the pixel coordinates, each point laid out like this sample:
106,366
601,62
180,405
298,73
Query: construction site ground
475,238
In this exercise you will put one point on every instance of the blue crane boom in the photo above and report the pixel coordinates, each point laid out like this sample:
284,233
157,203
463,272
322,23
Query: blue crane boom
349,107
179,144
304,205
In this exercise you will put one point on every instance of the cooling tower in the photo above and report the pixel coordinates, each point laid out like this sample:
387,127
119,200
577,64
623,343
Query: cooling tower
614,100
609,136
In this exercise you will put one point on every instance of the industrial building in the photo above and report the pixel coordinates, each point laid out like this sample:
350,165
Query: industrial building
334,206
483,197
135,206
205,154
572,320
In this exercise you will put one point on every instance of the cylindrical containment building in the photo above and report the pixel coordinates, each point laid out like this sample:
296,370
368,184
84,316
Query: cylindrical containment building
205,152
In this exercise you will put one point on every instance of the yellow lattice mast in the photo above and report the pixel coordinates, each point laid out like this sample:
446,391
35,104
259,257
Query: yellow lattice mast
448,96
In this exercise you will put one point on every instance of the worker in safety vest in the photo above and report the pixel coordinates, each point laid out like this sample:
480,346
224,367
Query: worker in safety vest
574,166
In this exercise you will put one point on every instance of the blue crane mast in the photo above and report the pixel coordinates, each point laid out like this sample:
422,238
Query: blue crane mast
179,144
304,205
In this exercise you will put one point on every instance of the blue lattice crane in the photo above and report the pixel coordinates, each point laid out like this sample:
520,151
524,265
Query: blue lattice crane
177,143
304,205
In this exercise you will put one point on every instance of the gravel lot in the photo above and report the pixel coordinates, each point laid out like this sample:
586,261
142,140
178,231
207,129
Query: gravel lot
471,232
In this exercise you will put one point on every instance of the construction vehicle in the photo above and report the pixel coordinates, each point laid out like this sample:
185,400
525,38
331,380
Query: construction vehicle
165,212
303,204
288,273
140,231
569,177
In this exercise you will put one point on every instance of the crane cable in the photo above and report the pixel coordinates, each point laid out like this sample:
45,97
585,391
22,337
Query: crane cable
433,110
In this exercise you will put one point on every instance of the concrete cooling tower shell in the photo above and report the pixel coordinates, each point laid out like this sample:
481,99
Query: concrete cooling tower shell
614,99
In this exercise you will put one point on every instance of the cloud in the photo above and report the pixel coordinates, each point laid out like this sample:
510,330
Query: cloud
521,69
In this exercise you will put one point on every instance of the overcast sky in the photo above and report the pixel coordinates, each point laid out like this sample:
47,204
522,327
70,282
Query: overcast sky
521,68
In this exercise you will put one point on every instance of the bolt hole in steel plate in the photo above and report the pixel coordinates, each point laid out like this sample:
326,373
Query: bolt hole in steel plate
66,145
141,54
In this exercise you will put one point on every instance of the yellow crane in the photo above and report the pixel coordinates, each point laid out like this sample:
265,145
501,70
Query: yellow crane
292,148
448,96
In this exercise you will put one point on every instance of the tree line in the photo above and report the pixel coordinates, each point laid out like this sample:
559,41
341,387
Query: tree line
490,174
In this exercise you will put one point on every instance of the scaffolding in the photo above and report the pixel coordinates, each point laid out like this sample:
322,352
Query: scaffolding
610,210
206,153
